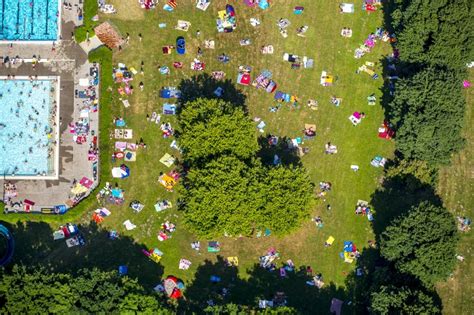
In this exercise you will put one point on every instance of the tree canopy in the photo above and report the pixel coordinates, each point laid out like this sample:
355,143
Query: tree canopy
428,112
25,291
287,193
436,32
211,127
402,300
222,197
422,243
228,190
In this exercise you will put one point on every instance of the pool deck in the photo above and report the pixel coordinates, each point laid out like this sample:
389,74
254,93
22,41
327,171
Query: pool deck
69,62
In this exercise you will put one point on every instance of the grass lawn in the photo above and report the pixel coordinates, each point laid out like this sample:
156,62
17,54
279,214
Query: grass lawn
356,145
456,189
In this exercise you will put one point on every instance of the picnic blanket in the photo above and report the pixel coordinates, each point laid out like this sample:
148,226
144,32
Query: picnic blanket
167,160
129,225
184,264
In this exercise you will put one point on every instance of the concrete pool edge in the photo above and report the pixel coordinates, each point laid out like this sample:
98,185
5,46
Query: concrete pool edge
55,172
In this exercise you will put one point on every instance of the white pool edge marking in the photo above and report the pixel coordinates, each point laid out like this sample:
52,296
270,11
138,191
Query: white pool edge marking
39,42
55,176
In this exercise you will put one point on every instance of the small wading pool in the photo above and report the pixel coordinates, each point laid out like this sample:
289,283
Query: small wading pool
29,20
28,133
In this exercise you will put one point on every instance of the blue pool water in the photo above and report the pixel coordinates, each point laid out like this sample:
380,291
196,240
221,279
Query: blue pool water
29,19
25,126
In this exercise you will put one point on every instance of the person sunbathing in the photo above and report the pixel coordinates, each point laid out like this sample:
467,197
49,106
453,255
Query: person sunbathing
309,132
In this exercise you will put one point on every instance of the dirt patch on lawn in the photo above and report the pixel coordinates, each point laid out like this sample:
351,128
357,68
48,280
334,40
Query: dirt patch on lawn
128,10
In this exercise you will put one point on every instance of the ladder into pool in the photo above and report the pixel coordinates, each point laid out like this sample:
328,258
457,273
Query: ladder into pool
3,16
32,15
47,9
18,19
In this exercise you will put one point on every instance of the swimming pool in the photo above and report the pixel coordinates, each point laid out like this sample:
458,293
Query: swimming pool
29,20
27,127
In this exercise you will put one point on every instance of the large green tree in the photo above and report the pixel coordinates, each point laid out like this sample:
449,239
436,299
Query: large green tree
222,197
402,300
228,197
24,291
228,191
428,112
422,243
435,32
212,127
287,194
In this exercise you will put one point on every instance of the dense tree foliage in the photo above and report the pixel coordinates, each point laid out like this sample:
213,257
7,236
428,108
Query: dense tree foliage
422,173
422,243
226,196
222,197
23,292
287,194
234,309
402,300
436,32
211,127
427,111
227,190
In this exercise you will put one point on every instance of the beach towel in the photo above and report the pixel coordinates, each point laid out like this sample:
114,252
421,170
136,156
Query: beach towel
120,145
129,225
167,160
330,240
184,264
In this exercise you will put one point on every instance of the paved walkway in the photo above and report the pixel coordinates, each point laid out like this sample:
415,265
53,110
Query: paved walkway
93,43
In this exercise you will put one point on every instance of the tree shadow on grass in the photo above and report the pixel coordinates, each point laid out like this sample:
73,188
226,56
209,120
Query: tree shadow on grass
261,285
306,299
396,196
34,247
373,271
203,289
204,86
287,155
